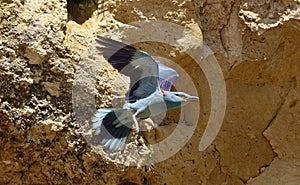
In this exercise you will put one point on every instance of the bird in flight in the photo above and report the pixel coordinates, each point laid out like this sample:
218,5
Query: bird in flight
148,95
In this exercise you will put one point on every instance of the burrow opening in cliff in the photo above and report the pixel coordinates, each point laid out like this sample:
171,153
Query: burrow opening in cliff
81,10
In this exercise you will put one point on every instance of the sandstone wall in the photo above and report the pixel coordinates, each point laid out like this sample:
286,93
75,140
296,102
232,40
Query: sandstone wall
256,45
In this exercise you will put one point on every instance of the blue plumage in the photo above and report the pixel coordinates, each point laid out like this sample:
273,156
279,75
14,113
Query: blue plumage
113,127
149,93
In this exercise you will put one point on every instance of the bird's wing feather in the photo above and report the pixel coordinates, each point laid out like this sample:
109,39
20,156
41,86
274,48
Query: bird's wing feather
138,65
111,128
116,53
167,77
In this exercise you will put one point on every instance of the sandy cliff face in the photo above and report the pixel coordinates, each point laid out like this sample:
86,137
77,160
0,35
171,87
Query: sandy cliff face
256,45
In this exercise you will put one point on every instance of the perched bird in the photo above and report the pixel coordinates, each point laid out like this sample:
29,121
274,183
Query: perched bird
149,93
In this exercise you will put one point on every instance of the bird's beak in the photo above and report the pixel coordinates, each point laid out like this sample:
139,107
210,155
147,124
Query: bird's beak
192,98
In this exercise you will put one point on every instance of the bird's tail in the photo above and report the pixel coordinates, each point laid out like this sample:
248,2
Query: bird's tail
112,127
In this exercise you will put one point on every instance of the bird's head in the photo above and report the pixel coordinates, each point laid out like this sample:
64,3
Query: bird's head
179,97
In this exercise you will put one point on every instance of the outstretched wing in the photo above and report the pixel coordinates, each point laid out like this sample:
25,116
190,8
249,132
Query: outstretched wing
167,77
138,65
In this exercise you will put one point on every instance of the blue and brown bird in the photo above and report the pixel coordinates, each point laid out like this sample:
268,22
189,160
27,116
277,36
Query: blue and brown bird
148,95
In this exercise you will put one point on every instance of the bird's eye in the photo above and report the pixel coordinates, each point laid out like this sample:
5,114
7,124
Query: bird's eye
179,95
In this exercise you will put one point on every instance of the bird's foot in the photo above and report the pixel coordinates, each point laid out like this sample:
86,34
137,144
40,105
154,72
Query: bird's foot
137,128
136,123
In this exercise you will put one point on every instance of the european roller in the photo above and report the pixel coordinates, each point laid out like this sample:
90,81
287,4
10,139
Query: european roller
148,95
